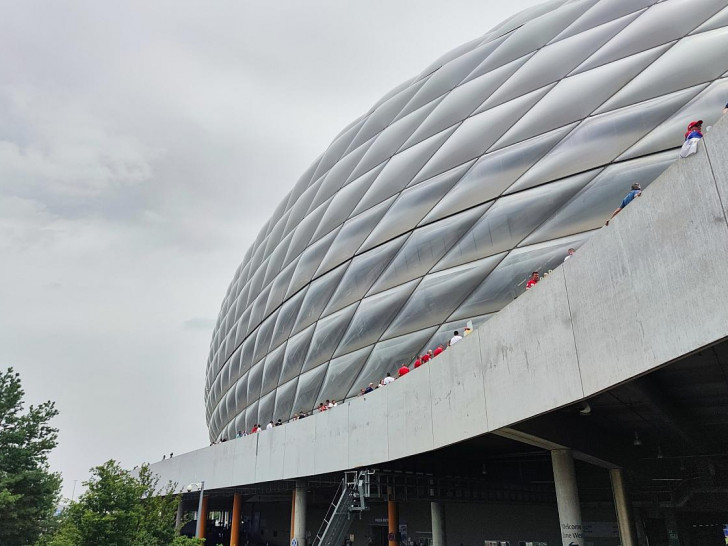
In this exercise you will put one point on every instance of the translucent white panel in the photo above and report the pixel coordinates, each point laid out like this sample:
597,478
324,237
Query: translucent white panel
336,149
438,295
301,207
272,369
230,430
275,219
279,286
246,354
229,405
239,305
400,170
600,139
373,316
707,106
309,385
719,20
262,339
241,330
295,353
446,78
661,77
462,101
309,262
391,139
287,318
256,316
303,233
524,16
511,219
412,205
276,235
318,295
476,134
265,408
351,236
383,114
235,364
387,357
451,55
361,274
341,374
255,378
593,205
241,393
495,172
602,12
339,174
508,280
345,201
256,283
537,33
425,247
284,400
577,96
329,331
555,61
662,23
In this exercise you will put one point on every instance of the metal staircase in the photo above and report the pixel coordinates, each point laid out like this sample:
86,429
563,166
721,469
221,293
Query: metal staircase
350,498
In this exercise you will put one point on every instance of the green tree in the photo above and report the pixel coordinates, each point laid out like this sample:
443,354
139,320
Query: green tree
29,492
121,508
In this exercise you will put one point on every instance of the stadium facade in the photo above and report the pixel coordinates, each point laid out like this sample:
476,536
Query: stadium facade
432,209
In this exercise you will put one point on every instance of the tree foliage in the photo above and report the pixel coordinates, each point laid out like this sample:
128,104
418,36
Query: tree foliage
29,492
121,508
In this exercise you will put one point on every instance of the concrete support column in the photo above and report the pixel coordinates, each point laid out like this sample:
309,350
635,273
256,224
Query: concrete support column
202,518
622,508
180,514
235,525
567,497
299,513
392,518
673,538
438,523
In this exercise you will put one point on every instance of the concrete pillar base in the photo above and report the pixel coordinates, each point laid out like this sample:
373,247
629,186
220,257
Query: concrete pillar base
567,498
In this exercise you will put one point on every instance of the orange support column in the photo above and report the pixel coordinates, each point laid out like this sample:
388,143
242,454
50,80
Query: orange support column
235,525
202,516
392,518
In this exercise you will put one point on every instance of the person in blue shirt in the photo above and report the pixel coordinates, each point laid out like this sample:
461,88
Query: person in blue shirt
636,191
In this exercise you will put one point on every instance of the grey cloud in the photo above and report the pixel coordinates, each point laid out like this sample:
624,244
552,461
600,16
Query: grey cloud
142,147
199,323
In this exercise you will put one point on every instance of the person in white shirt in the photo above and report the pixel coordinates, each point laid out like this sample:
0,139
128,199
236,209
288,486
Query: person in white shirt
570,254
269,426
387,380
455,338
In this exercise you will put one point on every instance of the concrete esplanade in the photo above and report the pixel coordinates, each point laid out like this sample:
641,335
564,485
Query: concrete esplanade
645,292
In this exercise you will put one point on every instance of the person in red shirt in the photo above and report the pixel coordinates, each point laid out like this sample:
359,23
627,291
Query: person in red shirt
438,350
533,280
418,363
404,370
425,357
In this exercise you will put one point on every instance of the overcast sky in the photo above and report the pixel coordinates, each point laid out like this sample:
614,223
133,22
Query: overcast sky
142,146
